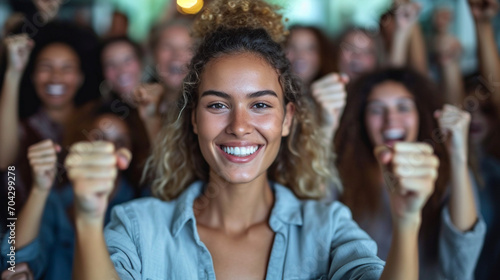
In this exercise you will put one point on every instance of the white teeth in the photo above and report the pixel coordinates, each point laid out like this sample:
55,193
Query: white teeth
55,89
240,151
392,134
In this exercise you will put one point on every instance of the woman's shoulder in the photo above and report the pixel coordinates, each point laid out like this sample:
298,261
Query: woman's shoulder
146,206
151,210
311,211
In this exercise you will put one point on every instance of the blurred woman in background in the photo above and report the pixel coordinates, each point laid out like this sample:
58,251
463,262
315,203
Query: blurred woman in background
309,52
393,106
47,81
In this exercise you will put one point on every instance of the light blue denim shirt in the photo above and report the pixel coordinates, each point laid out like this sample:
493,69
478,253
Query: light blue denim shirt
153,239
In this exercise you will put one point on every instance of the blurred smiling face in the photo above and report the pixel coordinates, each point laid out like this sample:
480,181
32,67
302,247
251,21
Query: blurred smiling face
303,51
109,127
357,54
122,68
57,75
391,114
172,55
240,118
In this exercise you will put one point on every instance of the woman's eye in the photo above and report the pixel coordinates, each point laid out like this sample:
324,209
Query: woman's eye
217,106
261,105
375,110
405,108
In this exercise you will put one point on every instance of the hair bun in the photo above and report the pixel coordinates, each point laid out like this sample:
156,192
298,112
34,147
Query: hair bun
240,13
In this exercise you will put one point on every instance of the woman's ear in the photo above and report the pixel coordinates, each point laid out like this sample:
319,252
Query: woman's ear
193,122
287,122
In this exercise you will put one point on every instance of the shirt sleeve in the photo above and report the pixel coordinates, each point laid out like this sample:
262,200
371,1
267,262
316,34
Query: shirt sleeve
459,251
354,253
37,252
122,239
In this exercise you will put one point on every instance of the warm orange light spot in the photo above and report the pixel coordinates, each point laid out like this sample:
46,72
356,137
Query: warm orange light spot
193,9
186,3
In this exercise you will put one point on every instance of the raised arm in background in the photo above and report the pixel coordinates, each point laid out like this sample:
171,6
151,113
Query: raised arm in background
405,19
92,169
447,51
462,206
483,12
149,99
42,157
410,184
18,49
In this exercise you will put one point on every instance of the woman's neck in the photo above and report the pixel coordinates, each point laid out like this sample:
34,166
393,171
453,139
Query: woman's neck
60,115
234,208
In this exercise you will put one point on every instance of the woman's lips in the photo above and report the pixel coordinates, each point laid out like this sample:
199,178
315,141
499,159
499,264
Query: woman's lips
240,154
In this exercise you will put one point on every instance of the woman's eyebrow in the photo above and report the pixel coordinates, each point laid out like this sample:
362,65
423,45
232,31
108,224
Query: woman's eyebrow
216,93
251,95
262,93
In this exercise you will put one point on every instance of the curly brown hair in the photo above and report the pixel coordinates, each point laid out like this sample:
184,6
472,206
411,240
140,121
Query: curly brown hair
303,163
241,13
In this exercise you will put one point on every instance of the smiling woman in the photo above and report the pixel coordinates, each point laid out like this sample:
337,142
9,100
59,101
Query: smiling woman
398,106
232,165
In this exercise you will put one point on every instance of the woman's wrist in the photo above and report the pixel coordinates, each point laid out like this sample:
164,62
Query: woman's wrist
407,224
37,191
86,223
13,75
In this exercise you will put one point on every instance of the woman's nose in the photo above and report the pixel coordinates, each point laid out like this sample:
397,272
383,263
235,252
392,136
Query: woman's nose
240,122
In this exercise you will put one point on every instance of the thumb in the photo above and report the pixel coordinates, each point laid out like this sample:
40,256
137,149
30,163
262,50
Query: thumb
437,114
344,78
383,154
123,158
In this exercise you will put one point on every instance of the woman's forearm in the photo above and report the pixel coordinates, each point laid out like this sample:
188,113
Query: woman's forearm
452,83
417,51
31,216
92,259
402,261
9,119
398,51
489,64
462,205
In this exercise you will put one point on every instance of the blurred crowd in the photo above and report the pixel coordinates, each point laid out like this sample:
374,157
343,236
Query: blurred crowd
63,84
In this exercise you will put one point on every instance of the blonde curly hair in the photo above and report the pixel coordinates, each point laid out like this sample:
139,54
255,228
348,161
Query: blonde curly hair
303,163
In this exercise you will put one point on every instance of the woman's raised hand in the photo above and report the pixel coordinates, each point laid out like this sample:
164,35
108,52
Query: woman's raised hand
330,93
406,15
19,49
454,124
410,171
484,10
148,98
92,168
43,159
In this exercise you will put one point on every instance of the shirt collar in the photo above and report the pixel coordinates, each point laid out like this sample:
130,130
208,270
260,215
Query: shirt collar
286,209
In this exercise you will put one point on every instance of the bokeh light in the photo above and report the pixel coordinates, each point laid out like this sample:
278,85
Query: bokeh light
190,6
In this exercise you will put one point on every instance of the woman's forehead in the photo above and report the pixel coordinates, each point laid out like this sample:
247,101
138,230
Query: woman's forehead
241,72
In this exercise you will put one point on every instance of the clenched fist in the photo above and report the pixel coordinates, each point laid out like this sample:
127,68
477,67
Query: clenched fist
330,93
19,49
92,168
410,171
454,124
43,158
